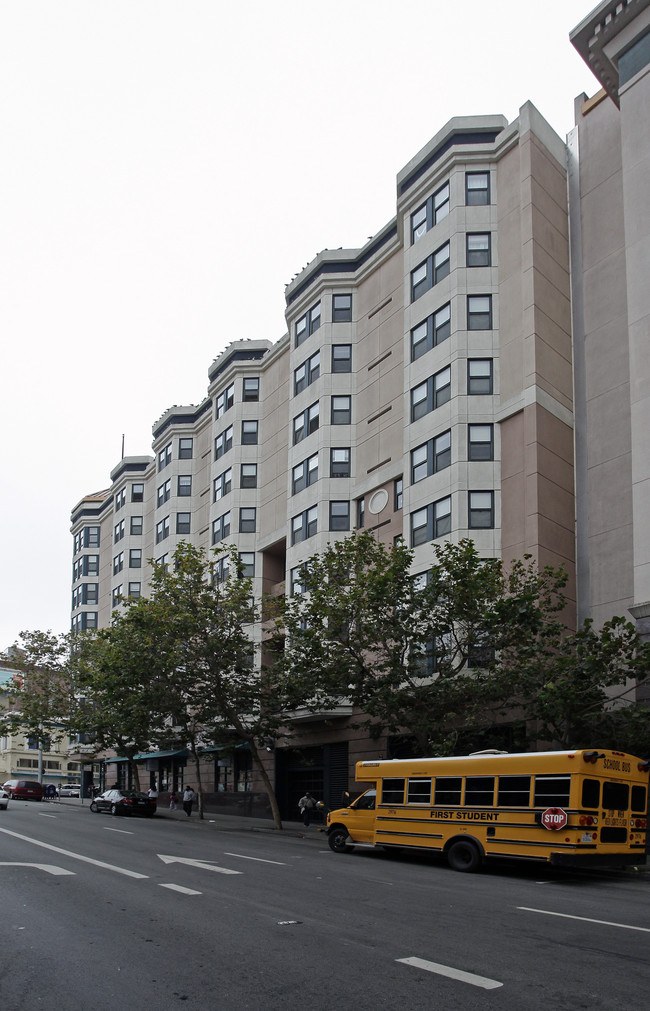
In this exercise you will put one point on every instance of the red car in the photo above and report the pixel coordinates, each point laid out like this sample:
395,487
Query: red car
24,789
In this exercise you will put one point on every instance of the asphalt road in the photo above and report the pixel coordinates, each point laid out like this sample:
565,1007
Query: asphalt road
109,914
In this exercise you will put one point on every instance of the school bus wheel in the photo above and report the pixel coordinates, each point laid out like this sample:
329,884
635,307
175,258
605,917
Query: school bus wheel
337,837
463,855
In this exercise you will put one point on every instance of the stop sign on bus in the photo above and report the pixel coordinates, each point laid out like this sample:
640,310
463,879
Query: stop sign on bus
554,818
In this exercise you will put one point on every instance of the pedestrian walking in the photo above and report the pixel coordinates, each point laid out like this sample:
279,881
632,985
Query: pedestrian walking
153,792
307,806
188,800
172,800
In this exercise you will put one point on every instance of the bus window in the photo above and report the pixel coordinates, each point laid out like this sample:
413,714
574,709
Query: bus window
552,791
392,791
514,791
639,802
366,802
479,791
419,791
616,796
448,789
590,793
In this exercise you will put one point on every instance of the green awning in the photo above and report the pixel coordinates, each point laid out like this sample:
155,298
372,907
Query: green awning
182,753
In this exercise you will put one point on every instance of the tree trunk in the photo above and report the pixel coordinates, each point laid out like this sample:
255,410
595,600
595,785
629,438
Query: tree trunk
257,762
199,785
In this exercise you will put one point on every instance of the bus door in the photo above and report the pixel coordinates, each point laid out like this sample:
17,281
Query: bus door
359,817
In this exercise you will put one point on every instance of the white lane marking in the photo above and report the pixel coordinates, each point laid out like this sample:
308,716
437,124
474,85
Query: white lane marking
447,970
204,865
259,860
41,815
585,919
121,831
179,888
75,856
48,868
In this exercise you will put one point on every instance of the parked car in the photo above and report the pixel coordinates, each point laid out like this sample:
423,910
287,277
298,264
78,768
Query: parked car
4,798
24,789
69,790
124,802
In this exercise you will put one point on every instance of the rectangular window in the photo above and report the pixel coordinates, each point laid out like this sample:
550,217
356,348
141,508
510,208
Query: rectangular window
477,188
340,462
479,249
513,791
432,393
135,590
479,791
250,389
184,487
136,526
247,564
304,474
135,558
247,520
89,593
480,510
307,373
118,533
117,595
479,377
90,565
398,493
339,515
137,492
221,528
479,312
341,358
222,485
248,475
430,213
224,401
183,523
418,791
297,580
427,274
164,493
305,423
223,443
447,791
162,530
165,456
431,522
249,433
185,449
341,410
361,513
341,308
392,791
220,570
552,791
304,525
120,498
480,442
307,324
431,332
432,456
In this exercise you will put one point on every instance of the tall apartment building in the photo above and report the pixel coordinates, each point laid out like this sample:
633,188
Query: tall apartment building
423,389
609,177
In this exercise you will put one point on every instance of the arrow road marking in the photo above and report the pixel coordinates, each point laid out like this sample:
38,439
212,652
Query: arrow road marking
585,919
48,868
446,970
204,865
259,860
75,856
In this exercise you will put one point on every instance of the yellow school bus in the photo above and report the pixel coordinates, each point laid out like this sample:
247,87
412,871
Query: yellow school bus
568,808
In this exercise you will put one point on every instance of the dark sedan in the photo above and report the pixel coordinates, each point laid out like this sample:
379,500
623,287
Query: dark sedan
123,802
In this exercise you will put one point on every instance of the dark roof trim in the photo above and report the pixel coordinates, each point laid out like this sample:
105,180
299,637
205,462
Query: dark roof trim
472,137
94,513
183,419
344,266
252,355
130,468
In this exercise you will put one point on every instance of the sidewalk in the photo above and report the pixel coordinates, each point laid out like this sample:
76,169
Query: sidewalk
223,822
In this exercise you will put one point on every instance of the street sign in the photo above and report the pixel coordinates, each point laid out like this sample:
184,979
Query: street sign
554,818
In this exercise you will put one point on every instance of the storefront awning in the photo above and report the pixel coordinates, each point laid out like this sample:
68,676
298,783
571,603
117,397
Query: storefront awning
182,753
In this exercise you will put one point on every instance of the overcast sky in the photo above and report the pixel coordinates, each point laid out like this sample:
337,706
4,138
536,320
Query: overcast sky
166,168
